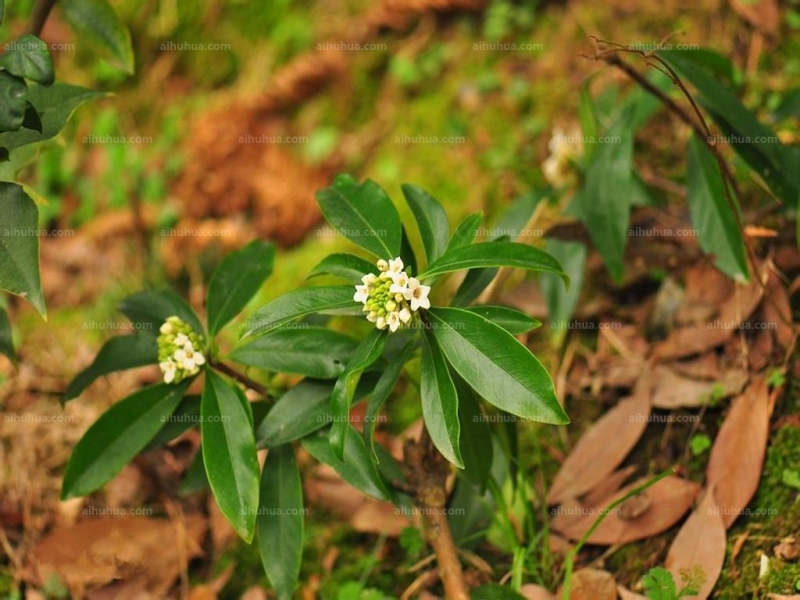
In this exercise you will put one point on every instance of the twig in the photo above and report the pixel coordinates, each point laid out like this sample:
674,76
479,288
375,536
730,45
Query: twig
240,377
40,13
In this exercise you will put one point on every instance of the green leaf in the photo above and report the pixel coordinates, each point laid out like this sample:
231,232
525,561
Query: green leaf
19,245
496,365
512,320
465,233
117,354
357,468
346,266
494,254
367,352
97,21
475,281
6,341
229,453
477,448
315,352
431,220
235,282
364,214
13,101
148,310
186,416
54,104
606,200
280,521
383,389
407,253
659,584
439,401
195,478
32,119
117,437
716,222
588,119
29,58
298,303
561,302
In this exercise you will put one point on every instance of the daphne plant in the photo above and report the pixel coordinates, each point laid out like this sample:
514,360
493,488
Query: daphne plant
463,360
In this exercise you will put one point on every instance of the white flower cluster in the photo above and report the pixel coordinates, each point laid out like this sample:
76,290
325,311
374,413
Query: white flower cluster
179,350
565,149
393,297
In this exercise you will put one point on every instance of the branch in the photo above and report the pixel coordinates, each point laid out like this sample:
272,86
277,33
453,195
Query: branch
40,13
240,377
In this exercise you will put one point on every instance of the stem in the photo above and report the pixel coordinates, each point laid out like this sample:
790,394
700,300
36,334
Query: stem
240,377
40,13
427,470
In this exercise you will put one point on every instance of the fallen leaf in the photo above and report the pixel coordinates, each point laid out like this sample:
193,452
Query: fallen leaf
706,366
254,592
737,456
778,311
592,584
604,445
701,541
788,549
672,390
670,499
738,544
609,486
531,591
782,597
764,15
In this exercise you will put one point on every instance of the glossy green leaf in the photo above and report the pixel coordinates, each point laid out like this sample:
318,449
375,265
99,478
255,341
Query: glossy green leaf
54,104
236,280
28,57
496,365
280,521
296,304
363,213
195,478
32,119
561,302
431,220
357,468
605,203
477,448
6,340
512,320
473,285
117,437
439,401
229,453
97,21
346,266
117,354
383,389
19,245
315,352
367,352
494,254
711,213
183,418
407,254
148,311
465,233
13,101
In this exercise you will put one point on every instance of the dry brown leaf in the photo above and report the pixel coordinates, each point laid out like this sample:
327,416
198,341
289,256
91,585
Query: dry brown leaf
609,486
764,15
531,591
604,445
672,390
254,592
737,457
782,597
701,541
592,584
788,549
626,594
738,544
778,310
670,498
705,366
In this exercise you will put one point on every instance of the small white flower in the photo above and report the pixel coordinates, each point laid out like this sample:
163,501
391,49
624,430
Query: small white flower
393,319
362,294
166,328
383,265
369,278
181,339
380,323
405,315
372,316
417,294
400,283
169,369
396,266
